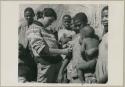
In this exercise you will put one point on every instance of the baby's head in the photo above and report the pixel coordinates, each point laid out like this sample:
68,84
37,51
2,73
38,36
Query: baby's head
87,31
66,20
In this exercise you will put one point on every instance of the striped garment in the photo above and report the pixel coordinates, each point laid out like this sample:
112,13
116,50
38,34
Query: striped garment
48,65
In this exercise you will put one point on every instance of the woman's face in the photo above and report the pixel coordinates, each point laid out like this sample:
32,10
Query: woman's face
105,17
77,25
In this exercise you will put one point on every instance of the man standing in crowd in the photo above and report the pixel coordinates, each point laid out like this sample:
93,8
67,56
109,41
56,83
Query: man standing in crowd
45,47
26,65
101,67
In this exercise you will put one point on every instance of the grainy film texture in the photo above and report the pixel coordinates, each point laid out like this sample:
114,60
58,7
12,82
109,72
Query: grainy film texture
63,43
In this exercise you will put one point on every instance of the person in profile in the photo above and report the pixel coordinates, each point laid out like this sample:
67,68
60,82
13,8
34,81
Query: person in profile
26,65
44,47
102,62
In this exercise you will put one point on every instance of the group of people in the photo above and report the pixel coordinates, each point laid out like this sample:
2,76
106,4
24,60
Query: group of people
71,54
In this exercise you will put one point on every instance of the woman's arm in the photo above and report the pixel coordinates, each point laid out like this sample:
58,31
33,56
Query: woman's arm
87,65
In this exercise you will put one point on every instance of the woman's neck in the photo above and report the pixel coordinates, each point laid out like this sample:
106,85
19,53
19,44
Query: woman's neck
105,29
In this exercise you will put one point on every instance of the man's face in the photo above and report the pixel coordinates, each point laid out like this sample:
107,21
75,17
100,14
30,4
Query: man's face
77,25
67,22
105,17
29,16
48,21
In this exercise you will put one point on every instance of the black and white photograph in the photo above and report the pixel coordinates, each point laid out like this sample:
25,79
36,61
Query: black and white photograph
63,43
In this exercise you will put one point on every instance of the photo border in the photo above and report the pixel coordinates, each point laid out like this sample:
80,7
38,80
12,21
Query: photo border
72,85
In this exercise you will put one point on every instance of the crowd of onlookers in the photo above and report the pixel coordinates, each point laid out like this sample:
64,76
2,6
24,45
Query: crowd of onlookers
73,54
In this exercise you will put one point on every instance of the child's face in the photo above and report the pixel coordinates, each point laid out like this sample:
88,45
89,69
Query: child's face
67,22
48,21
105,17
29,16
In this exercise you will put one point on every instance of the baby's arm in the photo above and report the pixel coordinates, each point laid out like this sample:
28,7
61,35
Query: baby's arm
85,65
83,49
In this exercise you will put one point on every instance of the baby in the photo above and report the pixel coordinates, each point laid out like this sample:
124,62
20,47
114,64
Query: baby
89,51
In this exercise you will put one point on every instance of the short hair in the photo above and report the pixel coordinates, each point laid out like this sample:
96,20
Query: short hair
67,16
30,10
90,30
39,14
49,12
82,17
105,8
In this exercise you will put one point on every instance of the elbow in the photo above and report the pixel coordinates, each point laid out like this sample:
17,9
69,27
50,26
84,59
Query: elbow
45,51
